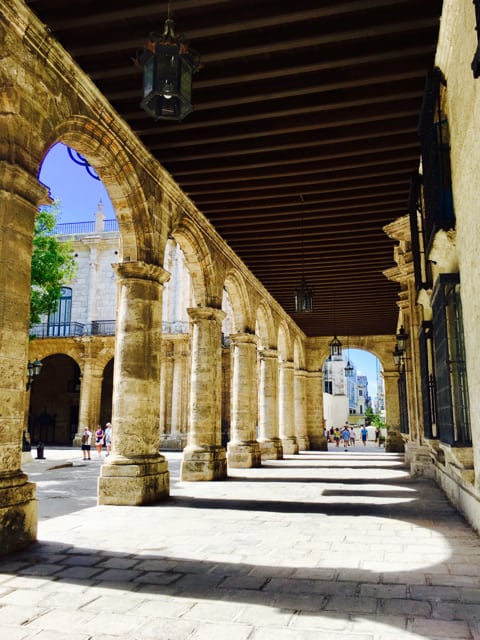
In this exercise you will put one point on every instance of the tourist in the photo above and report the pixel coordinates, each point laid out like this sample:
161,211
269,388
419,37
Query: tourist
99,440
364,435
352,437
346,437
86,439
108,437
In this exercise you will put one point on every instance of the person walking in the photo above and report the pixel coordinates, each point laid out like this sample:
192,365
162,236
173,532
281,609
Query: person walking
346,437
86,440
108,437
364,434
336,436
99,440
352,437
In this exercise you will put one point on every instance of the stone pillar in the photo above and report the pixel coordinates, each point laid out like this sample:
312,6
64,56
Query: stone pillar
204,457
163,392
135,472
90,399
300,401
395,442
20,193
315,419
286,409
270,444
167,385
179,394
243,450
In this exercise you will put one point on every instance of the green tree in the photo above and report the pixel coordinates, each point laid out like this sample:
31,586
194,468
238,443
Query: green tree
373,418
53,264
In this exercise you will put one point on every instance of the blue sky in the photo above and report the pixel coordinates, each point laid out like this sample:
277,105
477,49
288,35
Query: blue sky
70,184
79,195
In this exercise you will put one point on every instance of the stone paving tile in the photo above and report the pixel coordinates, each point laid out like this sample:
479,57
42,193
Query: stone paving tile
441,629
211,631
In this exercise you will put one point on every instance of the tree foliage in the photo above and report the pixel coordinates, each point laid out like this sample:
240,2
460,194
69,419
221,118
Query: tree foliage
53,264
373,418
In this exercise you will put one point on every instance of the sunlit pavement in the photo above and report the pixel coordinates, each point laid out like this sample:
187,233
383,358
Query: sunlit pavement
333,545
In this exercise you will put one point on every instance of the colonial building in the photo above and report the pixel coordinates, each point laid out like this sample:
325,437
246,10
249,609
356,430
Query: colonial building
266,387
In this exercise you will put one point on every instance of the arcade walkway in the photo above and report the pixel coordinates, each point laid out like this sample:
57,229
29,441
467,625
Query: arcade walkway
321,545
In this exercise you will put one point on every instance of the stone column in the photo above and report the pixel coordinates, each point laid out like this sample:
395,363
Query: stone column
90,399
270,444
20,194
135,472
300,402
243,450
204,457
286,409
315,419
179,392
394,443
163,393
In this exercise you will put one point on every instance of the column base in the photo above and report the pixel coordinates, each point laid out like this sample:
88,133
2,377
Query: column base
244,455
303,443
420,460
18,513
290,446
394,442
132,482
203,464
271,449
77,440
318,443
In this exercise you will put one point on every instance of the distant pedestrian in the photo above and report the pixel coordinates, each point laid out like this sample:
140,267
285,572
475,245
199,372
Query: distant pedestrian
352,437
336,436
364,435
86,439
346,437
108,437
377,437
99,440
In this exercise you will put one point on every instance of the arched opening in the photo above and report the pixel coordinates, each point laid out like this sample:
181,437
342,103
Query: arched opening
54,401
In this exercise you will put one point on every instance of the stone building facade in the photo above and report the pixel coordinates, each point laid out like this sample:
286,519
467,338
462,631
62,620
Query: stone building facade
273,397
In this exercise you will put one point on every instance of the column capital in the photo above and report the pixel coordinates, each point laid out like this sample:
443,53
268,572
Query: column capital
287,364
315,374
206,313
244,338
266,354
16,180
141,271
390,373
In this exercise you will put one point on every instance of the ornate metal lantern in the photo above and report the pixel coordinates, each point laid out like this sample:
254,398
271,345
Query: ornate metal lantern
303,297
33,370
335,347
168,66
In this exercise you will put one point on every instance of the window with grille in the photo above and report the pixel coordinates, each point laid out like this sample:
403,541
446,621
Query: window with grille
59,320
435,148
453,415
428,383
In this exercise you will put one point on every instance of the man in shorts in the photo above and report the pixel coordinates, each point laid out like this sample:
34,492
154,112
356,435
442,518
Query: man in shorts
364,434
86,440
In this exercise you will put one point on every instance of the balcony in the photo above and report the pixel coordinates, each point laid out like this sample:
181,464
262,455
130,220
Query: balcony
95,328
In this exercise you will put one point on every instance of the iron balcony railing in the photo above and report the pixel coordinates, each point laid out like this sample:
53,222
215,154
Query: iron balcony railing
76,228
59,330
95,328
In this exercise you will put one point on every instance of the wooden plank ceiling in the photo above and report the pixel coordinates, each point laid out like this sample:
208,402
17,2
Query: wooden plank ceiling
305,116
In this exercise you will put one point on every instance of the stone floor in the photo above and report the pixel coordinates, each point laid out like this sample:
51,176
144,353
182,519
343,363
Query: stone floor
334,545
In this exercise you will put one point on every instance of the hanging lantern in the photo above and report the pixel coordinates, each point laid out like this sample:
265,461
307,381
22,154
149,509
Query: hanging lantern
401,340
349,370
168,66
303,297
335,347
